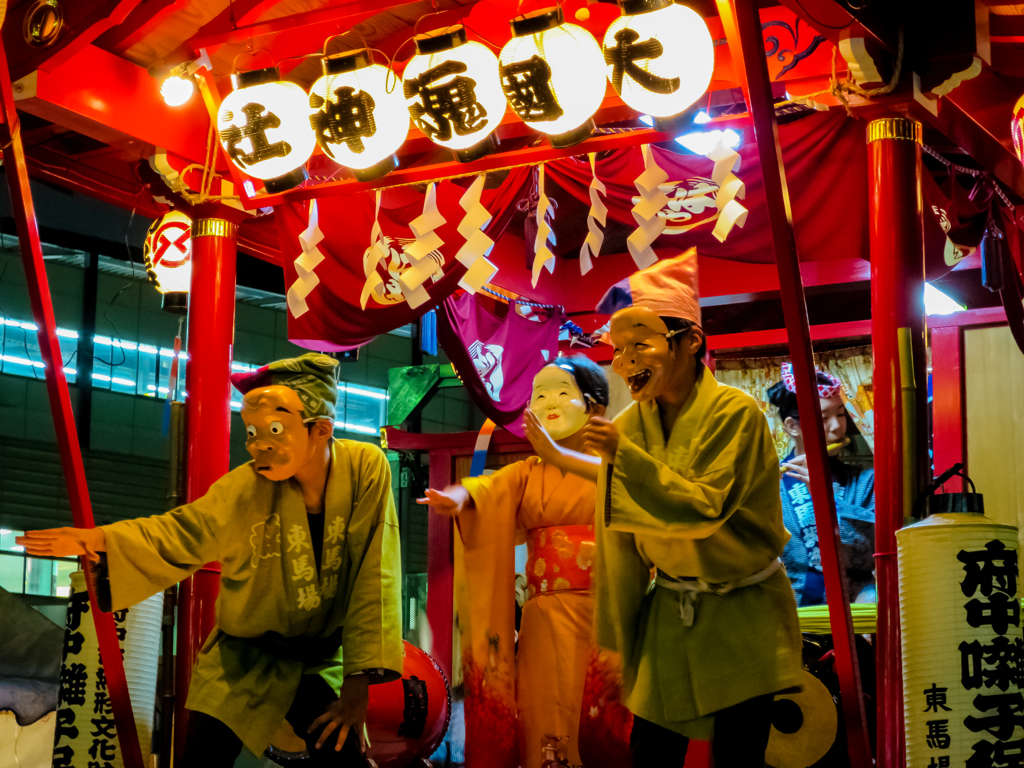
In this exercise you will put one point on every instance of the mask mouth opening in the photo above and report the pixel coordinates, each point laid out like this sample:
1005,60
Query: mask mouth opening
639,380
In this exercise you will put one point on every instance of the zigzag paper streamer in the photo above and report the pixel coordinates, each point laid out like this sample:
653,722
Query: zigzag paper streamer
306,262
730,211
479,270
419,251
649,224
378,250
542,257
598,215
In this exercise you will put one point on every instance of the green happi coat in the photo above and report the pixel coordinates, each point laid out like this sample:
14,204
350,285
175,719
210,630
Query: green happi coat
705,504
257,528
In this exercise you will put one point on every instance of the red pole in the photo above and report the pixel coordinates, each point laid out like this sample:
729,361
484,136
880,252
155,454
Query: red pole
60,406
743,26
441,567
897,301
211,335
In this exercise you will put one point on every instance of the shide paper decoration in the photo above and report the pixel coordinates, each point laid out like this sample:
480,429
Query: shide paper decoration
649,223
424,251
305,263
479,270
264,128
542,255
730,212
659,55
378,250
453,93
356,120
598,214
961,637
552,75
168,257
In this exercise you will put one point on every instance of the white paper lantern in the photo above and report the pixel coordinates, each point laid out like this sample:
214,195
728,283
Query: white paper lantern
659,56
453,93
961,638
264,128
552,75
167,253
356,120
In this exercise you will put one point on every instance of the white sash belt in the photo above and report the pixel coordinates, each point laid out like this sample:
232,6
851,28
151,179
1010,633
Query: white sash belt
689,588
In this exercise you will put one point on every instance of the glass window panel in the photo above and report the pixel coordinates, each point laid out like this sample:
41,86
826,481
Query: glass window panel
62,582
149,363
39,575
102,355
7,543
363,410
124,376
12,572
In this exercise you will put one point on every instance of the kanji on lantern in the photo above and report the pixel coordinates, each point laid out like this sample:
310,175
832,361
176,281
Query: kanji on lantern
993,568
623,57
257,120
1006,712
527,86
447,102
347,118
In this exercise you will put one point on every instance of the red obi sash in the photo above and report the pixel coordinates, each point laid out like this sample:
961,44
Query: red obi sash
561,558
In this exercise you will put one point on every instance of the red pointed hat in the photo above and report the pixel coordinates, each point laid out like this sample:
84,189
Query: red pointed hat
668,287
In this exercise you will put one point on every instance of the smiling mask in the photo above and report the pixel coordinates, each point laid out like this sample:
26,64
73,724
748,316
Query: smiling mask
558,402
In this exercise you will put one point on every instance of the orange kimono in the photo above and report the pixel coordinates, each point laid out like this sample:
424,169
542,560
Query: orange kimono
532,502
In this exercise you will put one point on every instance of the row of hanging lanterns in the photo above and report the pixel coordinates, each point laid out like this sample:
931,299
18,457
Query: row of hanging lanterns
658,55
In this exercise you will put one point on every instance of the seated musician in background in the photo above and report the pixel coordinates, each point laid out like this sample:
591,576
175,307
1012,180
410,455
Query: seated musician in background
306,534
854,491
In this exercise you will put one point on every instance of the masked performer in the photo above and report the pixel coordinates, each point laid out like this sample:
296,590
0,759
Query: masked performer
689,488
553,513
307,537
854,492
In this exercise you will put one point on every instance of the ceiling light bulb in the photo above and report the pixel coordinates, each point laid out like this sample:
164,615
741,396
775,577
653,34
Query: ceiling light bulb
177,90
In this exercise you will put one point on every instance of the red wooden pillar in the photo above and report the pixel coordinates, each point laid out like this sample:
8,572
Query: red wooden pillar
441,566
211,336
949,433
897,302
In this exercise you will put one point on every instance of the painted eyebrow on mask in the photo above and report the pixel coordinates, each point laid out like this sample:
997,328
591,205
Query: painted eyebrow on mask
279,408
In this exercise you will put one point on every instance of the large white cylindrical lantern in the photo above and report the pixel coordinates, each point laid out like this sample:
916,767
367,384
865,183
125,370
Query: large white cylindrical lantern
356,120
167,253
552,75
961,637
453,93
264,128
659,56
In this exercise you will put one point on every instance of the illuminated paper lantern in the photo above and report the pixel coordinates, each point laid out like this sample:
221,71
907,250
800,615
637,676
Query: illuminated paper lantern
167,253
264,128
357,120
961,637
659,56
453,93
552,75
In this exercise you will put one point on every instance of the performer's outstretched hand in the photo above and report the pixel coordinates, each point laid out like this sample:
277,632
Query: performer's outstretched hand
64,542
451,501
602,437
348,712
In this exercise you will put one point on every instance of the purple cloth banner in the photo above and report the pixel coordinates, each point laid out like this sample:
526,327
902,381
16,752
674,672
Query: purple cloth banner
497,357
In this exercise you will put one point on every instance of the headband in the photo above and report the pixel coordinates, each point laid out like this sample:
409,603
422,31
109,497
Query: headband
830,387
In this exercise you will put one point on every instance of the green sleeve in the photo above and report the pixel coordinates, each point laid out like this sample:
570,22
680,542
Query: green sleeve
372,634
150,554
734,459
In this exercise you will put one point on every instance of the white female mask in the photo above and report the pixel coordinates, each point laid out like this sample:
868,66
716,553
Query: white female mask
558,402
